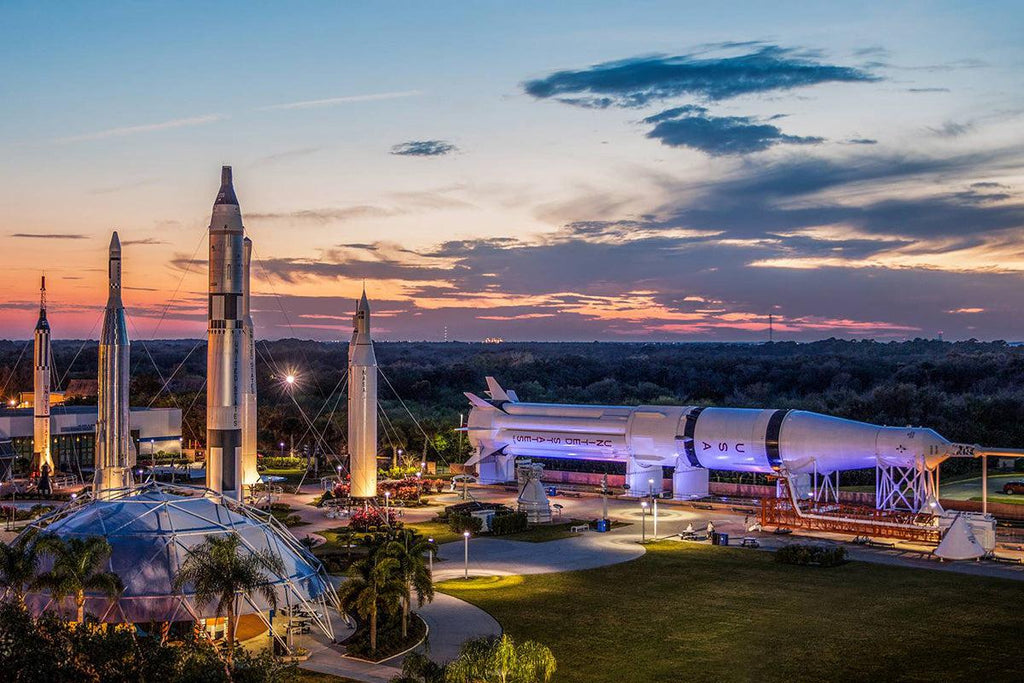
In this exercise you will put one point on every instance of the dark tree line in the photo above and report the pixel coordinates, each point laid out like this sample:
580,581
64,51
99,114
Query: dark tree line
967,391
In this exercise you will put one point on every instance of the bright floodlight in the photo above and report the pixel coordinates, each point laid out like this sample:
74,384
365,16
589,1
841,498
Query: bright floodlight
290,379
643,504
466,534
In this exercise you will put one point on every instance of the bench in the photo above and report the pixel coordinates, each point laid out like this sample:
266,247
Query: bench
579,528
699,506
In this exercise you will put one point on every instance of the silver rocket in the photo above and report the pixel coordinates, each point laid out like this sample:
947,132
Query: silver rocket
114,452
362,405
249,474
225,355
41,388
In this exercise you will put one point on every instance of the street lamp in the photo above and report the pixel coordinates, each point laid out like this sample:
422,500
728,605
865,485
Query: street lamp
387,498
431,542
655,519
643,521
282,448
465,539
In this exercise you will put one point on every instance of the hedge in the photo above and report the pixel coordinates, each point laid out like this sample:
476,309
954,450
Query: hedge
279,463
807,554
465,522
513,523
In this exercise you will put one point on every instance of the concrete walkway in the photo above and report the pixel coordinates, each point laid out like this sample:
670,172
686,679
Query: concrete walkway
452,622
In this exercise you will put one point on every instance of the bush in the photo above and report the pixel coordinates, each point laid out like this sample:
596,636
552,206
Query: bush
513,523
369,519
460,522
806,554
285,463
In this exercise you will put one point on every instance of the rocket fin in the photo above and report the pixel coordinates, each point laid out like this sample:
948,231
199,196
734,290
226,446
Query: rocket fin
495,391
477,457
512,396
479,402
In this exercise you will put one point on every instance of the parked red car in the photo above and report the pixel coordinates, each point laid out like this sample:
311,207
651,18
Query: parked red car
1012,487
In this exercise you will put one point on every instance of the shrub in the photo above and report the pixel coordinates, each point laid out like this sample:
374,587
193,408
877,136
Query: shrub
369,519
342,490
278,463
508,524
460,522
807,554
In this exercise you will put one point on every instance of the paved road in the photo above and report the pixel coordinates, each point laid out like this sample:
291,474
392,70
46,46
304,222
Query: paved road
965,489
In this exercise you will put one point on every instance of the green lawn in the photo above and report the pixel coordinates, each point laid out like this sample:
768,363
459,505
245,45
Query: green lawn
690,612
304,676
1002,498
438,531
541,533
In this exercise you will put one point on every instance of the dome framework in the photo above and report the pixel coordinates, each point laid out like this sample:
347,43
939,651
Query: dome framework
152,527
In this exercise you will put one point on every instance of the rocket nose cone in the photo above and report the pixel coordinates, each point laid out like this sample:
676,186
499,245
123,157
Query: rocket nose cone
115,244
226,195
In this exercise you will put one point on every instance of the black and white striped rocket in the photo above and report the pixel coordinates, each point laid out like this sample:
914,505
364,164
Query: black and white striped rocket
362,405
228,359
115,454
41,454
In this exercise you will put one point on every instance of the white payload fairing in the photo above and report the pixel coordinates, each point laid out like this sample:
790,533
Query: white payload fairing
362,405
228,355
41,451
115,454
691,439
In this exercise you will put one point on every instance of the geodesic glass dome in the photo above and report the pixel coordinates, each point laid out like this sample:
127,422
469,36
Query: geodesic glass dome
150,531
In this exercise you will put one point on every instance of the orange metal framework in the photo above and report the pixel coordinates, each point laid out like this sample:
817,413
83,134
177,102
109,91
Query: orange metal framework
850,519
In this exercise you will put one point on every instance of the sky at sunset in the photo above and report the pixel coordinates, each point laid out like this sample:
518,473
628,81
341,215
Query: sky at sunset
527,170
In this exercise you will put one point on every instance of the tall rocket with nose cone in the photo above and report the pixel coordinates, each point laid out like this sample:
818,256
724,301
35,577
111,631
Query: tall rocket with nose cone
114,451
226,347
362,405
41,388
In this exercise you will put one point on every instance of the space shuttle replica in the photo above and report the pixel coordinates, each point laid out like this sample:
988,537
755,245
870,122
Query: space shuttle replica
230,362
115,453
803,447
362,405
41,454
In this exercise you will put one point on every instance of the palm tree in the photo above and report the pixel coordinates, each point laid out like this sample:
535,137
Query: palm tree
219,570
374,583
79,565
419,668
501,660
19,563
410,549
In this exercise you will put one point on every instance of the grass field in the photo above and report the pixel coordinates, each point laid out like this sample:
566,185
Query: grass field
1002,498
690,612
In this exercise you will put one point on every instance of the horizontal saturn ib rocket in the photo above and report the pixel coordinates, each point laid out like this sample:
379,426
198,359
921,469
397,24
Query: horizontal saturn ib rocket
691,439
230,381
115,454
362,405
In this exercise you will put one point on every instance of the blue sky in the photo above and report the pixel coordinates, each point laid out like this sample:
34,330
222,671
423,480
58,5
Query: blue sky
525,170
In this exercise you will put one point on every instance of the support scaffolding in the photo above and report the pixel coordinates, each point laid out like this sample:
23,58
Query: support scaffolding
911,489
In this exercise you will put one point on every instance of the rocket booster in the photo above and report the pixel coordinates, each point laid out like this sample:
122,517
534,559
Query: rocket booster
249,474
225,355
689,437
114,453
41,388
362,405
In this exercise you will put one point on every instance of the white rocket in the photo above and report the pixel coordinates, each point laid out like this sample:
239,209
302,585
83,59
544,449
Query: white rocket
226,356
41,388
362,405
115,455
691,439
249,474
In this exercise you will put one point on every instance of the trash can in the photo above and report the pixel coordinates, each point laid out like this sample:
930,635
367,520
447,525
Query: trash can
723,539
551,491
602,525
714,538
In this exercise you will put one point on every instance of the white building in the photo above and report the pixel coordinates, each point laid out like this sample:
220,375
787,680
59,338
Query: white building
73,434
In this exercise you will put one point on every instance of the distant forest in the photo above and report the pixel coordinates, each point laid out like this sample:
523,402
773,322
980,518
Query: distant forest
967,391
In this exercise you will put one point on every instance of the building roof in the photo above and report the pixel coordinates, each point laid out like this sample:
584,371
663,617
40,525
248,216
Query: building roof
151,531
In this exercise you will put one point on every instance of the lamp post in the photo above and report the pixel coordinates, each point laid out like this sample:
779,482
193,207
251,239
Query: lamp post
465,539
431,557
655,519
282,448
387,498
643,521
650,488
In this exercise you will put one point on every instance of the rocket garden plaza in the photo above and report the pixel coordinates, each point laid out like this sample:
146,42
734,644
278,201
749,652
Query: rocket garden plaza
591,536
